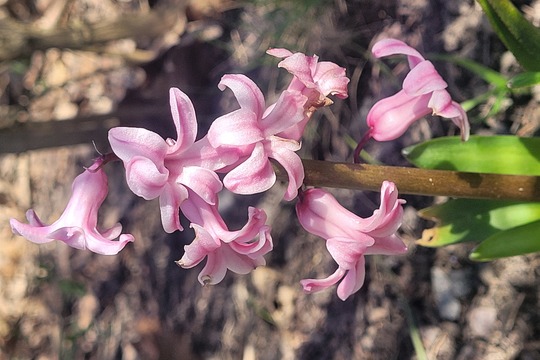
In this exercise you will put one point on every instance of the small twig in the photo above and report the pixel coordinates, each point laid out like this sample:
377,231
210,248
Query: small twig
420,181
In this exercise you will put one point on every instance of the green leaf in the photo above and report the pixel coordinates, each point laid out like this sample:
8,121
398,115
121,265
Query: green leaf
501,154
519,240
524,80
463,220
518,35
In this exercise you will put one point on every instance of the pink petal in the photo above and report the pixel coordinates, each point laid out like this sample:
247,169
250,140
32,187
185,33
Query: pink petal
389,245
127,143
33,218
321,214
185,121
389,118
238,263
283,152
353,281
144,178
388,47
300,66
331,79
204,155
248,95
279,52
214,270
199,212
73,236
203,182
253,176
442,105
36,234
95,242
423,79
254,248
462,122
295,132
254,226
240,127
287,112
171,198
314,285
387,219
347,251
203,244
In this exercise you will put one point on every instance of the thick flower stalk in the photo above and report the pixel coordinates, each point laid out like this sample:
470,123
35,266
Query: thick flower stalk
77,226
166,169
239,251
315,80
251,132
350,237
423,93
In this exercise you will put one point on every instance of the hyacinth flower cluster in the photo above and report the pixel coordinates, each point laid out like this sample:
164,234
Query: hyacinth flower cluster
240,148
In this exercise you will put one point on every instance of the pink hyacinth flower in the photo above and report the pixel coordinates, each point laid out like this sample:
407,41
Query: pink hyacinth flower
252,130
423,93
239,251
77,226
316,80
167,168
350,237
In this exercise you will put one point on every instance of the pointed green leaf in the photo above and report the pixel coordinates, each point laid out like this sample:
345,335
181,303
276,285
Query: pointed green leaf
524,80
519,240
462,220
481,154
518,35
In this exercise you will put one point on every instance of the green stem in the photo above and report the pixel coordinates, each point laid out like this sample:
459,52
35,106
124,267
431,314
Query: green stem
419,181
414,332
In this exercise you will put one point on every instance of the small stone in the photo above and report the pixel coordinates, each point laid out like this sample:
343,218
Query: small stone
448,305
482,321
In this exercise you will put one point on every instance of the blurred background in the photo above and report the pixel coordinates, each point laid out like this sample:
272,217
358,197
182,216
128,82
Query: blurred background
72,69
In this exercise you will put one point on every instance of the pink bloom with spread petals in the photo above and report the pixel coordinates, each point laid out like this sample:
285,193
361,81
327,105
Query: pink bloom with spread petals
424,93
350,237
168,168
239,251
252,130
316,80
77,226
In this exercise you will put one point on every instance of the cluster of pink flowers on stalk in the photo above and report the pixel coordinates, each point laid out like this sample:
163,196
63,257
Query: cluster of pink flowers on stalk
183,173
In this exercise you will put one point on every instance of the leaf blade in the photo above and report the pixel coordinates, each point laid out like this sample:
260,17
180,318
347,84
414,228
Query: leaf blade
518,35
503,154
466,220
519,240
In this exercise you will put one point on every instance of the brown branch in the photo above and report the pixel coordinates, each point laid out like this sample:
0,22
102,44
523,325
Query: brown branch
420,181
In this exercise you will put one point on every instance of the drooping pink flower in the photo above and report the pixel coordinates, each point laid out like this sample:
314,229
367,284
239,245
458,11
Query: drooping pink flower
350,237
315,80
77,226
239,251
167,168
252,130
424,92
